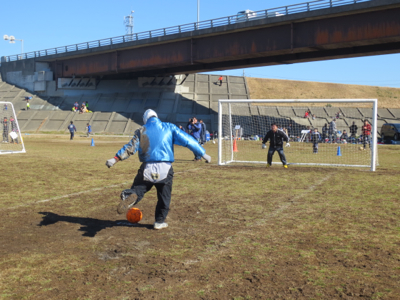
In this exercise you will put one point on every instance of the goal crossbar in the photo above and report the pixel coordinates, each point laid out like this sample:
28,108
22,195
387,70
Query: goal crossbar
373,143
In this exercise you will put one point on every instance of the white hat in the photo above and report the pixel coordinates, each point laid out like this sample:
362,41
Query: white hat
148,114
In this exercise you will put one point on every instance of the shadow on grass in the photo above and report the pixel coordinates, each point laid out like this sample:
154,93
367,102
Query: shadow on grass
90,226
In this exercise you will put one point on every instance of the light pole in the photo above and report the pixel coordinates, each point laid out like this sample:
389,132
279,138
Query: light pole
198,12
12,40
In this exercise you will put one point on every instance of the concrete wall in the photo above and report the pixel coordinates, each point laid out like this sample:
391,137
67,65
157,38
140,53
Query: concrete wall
118,105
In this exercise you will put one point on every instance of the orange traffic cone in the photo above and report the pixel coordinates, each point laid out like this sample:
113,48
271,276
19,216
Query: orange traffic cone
235,146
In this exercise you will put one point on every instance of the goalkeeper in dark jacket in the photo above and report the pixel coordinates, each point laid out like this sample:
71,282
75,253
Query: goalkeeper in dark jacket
276,138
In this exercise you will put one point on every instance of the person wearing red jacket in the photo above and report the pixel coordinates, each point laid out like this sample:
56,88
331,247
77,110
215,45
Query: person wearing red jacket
366,132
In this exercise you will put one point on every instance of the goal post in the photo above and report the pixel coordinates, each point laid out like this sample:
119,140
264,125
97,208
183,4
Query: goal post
322,132
11,138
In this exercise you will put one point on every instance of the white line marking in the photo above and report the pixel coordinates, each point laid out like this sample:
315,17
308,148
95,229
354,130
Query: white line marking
83,192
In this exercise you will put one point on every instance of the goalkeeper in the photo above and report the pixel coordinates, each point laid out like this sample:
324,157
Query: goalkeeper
154,141
276,138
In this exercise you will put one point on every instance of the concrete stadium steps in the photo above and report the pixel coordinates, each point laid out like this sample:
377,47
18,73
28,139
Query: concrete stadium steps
319,112
300,111
287,111
396,113
366,112
332,111
384,113
351,112
318,123
301,121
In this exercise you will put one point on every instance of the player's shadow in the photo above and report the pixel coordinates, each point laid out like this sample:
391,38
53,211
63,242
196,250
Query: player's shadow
90,226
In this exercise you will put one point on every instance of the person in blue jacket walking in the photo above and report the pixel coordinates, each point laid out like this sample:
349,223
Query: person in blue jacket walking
154,141
195,127
72,130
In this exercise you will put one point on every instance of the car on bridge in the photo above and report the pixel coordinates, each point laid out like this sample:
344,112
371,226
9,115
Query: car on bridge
247,15
390,131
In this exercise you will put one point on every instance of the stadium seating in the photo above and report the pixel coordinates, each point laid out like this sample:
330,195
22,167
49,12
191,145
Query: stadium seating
286,111
319,112
395,112
384,113
351,112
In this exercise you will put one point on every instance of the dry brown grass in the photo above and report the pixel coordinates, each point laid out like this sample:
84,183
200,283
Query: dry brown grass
288,89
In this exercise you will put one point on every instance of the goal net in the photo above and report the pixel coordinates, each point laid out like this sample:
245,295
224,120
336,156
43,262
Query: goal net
11,140
334,132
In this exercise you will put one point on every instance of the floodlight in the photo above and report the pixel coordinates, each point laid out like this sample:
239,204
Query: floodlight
5,37
12,38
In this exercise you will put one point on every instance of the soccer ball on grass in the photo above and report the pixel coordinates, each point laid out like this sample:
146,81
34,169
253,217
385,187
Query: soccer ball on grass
134,215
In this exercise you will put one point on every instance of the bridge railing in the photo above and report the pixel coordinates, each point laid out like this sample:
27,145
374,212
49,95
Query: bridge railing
235,19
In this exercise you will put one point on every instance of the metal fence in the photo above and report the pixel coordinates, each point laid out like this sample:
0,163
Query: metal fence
261,14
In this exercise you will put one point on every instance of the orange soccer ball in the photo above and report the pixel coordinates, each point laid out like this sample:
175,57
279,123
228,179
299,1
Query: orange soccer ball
134,215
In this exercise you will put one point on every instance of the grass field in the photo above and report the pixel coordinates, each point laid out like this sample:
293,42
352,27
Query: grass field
235,232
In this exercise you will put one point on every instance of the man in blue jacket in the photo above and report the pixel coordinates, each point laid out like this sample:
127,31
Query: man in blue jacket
195,127
154,141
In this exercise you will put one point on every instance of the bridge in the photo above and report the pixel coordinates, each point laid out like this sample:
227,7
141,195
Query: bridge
312,31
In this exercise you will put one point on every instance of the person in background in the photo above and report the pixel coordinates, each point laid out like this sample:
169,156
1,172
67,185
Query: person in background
313,117
195,128
5,106
315,137
154,142
28,105
203,132
366,132
353,130
89,129
344,136
72,130
5,130
14,128
306,115
324,132
332,131
181,128
220,80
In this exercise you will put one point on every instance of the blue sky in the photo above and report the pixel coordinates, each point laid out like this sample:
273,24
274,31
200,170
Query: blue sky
46,24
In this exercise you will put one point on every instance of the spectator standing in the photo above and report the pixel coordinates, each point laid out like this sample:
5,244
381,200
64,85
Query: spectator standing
289,130
324,132
313,117
181,128
195,127
332,131
72,130
353,130
154,141
5,106
276,138
220,80
306,115
14,128
87,105
366,132
76,104
89,129
28,105
5,130
315,137
203,132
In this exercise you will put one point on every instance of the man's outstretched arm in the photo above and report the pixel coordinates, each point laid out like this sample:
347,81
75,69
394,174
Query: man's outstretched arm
126,151
181,138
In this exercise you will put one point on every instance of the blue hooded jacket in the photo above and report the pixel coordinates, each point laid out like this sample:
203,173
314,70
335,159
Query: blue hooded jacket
155,141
